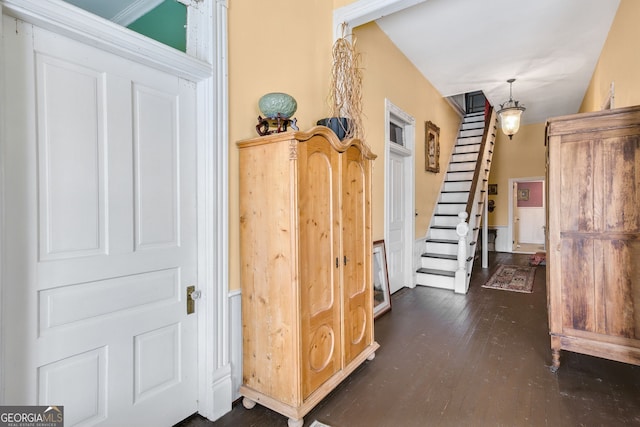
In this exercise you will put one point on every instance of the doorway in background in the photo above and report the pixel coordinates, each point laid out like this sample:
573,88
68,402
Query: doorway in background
527,214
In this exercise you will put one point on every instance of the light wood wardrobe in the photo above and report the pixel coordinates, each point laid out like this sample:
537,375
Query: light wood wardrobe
306,276
593,268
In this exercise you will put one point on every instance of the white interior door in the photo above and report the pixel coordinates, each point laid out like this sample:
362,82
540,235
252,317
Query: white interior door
399,197
100,233
399,255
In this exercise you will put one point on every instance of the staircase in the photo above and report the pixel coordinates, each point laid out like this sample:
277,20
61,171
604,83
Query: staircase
464,190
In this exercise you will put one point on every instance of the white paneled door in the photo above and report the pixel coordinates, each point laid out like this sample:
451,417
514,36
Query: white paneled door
398,257
100,233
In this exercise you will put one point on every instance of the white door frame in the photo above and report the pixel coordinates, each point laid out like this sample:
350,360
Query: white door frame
395,114
512,181
206,65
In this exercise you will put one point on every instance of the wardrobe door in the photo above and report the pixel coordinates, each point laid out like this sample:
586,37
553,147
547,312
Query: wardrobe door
319,262
600,181
356,248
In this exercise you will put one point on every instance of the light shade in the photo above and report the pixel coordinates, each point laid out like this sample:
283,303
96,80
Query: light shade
509,114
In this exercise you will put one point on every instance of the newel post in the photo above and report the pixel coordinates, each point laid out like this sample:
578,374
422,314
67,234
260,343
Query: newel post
462,229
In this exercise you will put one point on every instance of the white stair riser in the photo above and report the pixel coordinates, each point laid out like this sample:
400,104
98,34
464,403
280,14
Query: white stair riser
464,157
465,166
456,186
454,197
446,220
442,248
471,140
441,233
450,209
473,125
434,281
459,176
439,263
458,149
471,132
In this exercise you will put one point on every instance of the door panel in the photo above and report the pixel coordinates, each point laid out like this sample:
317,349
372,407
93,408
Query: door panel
397,258
71,194
357,295
319,252
101,161
156,167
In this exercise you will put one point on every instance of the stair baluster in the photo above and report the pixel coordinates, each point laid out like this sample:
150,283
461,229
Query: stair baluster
462,229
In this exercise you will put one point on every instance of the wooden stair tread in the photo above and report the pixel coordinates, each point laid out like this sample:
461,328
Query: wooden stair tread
447,241
436,272
441,256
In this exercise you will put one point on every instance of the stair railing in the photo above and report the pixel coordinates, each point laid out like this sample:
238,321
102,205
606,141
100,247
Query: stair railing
480,163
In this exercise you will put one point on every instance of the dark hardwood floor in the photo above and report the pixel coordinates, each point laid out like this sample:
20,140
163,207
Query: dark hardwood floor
479,359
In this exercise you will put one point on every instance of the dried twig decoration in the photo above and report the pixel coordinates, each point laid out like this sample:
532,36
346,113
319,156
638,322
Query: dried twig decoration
345,96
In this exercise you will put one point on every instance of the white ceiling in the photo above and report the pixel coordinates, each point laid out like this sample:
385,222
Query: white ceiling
549,46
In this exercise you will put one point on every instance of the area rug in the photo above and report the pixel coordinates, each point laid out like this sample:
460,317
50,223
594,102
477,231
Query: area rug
516,278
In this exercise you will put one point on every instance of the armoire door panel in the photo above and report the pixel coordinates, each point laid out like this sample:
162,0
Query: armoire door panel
577,186
621,187
318,207
577,262
621,285
356,293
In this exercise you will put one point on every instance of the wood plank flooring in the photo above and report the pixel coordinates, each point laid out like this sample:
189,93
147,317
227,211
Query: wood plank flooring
479,359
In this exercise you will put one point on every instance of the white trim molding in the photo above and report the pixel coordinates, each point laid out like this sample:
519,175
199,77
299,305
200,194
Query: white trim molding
134,11
364,11
65,19
207,40
235,307
2,193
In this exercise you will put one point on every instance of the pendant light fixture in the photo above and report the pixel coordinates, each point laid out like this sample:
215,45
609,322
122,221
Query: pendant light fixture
510,113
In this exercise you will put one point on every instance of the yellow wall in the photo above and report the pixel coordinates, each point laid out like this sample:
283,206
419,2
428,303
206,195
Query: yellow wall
522,157
389,74
619,62
283,48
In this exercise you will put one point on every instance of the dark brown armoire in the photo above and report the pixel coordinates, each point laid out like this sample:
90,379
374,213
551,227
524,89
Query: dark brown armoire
593,239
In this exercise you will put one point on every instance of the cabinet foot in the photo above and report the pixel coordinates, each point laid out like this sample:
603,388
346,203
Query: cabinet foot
555,360
295,423
248,403
371,356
